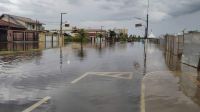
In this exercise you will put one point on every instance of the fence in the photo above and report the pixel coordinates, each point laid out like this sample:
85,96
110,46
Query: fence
191,52
174,44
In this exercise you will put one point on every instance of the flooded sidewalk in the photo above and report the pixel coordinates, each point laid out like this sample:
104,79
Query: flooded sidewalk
171,91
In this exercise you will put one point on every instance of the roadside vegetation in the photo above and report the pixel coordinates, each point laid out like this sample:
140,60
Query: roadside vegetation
80,36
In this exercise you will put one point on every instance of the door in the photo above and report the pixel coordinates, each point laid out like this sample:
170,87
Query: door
3,36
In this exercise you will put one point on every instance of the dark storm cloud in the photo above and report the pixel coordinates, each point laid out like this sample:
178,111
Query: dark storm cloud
186,8
105,11
138,7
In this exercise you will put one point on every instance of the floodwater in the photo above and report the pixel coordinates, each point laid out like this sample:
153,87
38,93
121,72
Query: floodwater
90,77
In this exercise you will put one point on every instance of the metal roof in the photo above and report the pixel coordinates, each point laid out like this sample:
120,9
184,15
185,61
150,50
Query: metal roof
28,20
7,24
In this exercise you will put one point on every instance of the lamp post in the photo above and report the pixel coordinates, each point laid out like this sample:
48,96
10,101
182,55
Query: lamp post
147,22
146,36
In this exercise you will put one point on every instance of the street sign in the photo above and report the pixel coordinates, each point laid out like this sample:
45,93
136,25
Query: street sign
138,25
67,25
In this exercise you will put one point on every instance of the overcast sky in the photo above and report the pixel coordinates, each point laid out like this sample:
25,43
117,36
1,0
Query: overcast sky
166,16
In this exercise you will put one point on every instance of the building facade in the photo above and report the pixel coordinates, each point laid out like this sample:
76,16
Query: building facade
121,31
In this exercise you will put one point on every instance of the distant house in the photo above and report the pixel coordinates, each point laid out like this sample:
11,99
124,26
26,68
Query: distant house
123,31
118,32
27,23
93,33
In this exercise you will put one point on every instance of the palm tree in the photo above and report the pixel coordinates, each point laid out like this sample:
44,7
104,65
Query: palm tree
82,34
112,34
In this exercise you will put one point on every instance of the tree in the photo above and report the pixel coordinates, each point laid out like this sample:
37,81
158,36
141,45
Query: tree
112,34
82,34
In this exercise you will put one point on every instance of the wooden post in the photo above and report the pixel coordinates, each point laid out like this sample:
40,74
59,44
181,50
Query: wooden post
24,36
52,41
13,36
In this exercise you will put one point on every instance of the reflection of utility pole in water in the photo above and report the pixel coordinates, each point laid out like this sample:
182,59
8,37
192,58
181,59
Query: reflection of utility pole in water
145,57
61,59
101,35
81,52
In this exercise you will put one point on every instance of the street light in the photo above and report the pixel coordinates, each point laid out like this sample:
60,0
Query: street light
146,36
147,22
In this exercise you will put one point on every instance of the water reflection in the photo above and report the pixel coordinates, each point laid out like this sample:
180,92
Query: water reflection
42,71
18,46
49,69
189,77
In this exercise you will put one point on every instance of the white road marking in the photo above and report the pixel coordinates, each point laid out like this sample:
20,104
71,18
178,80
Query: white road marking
114,74
31,108
79,78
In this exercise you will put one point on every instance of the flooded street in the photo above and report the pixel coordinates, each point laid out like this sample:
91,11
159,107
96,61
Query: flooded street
85,77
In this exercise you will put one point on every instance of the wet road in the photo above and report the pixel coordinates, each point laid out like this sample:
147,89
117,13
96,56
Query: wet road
87,78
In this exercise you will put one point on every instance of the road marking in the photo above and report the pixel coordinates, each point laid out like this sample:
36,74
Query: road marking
79,78
33,107
115,74
107,74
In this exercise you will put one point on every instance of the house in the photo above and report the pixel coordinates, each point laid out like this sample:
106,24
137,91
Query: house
16,28
93,33
5,29
27,23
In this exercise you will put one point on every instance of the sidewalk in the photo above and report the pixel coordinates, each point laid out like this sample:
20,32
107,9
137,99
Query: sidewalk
163,92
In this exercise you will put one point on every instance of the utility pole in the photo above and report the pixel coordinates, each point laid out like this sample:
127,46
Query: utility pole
147,28
146,37
61,22
101,33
